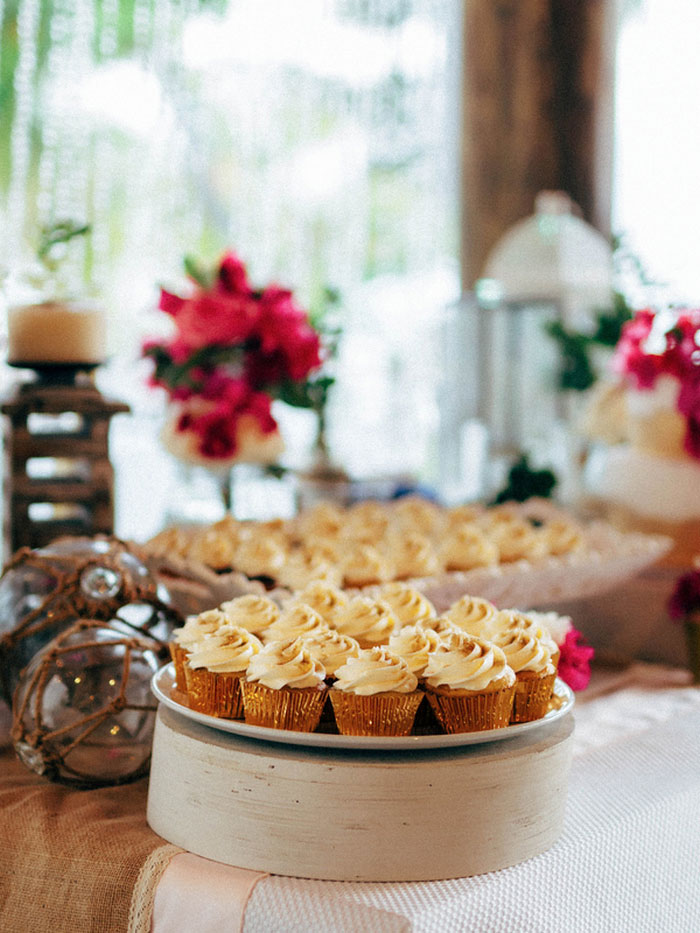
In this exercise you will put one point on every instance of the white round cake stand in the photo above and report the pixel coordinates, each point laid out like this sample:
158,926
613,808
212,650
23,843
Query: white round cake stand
349,815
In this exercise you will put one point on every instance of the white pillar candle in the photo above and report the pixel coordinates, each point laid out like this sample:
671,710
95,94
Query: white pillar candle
54,332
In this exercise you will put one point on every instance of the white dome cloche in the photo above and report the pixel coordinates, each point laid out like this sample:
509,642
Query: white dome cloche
552,255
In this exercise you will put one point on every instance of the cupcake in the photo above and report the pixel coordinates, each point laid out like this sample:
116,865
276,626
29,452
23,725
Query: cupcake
375,694
534,673
469,684
370,622
414,514
259,557
252,611
511,620
366,522
413,555
518,540
284,687
473,615
325,519
303,567
553,629
465,514
562,536
214,549
409,605
295,621
214,668
364,565
466,547
194,629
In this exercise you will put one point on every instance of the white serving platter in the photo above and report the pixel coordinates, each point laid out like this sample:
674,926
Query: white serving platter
163,687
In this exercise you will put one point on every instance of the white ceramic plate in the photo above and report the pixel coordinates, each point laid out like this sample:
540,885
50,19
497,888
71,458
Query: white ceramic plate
163,686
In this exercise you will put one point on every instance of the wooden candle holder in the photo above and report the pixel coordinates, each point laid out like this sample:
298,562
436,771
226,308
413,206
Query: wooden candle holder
58,477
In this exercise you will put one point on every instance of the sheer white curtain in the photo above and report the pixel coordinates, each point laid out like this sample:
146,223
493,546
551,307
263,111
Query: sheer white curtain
317,138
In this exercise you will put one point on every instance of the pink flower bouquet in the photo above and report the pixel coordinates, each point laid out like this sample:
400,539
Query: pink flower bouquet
234,350
654,345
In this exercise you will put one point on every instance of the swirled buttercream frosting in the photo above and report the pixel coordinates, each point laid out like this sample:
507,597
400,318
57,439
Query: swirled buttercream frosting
196,627
413,555
227,651
466,662
441,625
258,556
214,549
298,619
324,598
413,513
364,565
252,611
512,620
408,603
286,664
524,651
473,614
414,645
369,621
375,670
518,540
466,547
331,648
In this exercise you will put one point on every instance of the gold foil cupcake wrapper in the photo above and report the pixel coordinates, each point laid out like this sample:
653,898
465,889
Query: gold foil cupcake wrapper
294,709
532,696
379,714
477,712
216,694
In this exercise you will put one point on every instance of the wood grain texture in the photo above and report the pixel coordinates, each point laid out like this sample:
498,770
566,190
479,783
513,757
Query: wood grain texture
346,815
538,82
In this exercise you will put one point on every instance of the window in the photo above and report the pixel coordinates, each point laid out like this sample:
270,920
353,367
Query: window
317,138
657,183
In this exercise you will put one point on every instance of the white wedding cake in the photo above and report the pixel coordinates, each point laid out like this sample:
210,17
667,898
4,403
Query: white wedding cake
643,472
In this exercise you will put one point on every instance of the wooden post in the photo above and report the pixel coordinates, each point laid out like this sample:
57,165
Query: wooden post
538,105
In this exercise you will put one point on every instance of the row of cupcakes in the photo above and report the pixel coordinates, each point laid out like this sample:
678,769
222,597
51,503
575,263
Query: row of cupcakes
372,542
373,660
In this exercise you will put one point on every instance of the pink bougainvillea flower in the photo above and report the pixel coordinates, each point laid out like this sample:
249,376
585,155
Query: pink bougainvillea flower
216,423
170,303
234,348
232,276
575,660
215,319
677,355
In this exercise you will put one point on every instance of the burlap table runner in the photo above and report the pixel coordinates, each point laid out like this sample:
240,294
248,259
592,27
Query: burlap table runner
75,859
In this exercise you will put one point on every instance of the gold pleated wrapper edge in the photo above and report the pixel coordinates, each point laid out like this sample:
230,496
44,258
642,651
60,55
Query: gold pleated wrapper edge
464,711
216,694
379,714
179,656
296,709
532,696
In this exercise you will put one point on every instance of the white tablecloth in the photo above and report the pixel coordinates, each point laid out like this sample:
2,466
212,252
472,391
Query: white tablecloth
628,859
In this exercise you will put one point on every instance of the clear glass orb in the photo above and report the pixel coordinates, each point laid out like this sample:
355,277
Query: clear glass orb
83,709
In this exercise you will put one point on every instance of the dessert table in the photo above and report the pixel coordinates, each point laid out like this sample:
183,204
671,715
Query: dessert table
627,859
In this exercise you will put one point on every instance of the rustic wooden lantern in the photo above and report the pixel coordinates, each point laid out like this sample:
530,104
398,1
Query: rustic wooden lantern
58,477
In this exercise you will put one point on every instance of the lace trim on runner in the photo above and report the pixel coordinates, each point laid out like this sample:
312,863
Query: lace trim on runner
141,908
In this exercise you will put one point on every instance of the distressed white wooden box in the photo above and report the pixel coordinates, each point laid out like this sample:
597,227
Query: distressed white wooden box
358,816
